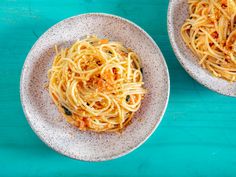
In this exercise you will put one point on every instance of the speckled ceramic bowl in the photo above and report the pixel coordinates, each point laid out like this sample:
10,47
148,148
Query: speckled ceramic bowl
49,124
177,14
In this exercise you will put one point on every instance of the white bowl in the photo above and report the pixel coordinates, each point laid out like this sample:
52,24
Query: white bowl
177,14
49,124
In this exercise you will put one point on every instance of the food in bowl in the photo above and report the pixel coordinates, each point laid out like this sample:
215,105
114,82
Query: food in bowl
210,32
96,84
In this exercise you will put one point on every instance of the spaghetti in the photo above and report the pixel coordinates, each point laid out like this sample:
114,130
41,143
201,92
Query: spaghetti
210,32
96,84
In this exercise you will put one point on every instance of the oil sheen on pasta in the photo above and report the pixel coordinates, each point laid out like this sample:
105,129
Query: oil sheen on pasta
96,84
210,32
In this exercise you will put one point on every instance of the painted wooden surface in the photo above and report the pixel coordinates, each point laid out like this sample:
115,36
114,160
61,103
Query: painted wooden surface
197,136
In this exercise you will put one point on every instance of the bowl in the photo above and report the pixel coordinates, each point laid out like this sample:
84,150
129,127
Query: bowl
48,123
177,14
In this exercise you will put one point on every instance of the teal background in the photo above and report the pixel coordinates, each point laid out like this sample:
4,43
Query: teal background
197,136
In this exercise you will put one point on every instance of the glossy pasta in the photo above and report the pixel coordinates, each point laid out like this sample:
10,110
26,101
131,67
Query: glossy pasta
96,84
210,32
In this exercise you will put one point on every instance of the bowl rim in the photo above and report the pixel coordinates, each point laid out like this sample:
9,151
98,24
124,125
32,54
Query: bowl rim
179,57
111,157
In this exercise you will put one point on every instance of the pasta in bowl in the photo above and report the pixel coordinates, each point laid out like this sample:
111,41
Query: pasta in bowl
201,34
98,85
210,33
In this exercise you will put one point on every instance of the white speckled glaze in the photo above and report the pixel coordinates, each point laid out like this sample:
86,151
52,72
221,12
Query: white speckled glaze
49,124
177,14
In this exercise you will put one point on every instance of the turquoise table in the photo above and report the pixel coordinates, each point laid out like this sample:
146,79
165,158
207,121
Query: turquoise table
196,138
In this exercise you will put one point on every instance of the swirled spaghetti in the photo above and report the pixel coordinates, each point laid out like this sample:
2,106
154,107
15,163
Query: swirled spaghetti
96,84
210,32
